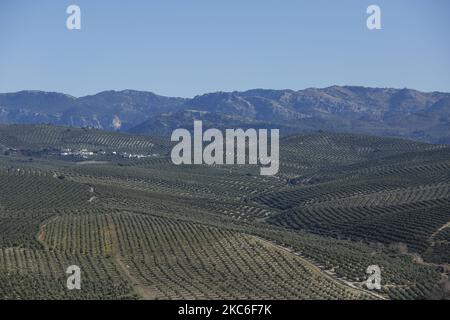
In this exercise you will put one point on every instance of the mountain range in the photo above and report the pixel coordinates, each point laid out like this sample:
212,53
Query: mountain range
391,112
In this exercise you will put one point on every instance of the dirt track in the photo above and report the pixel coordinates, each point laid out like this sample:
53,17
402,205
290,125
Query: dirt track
138,287
319,270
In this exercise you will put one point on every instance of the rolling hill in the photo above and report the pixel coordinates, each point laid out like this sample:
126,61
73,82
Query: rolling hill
143,228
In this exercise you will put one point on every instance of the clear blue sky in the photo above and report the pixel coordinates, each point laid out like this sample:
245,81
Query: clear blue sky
190,47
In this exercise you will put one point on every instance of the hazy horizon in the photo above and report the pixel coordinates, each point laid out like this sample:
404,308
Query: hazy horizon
219,91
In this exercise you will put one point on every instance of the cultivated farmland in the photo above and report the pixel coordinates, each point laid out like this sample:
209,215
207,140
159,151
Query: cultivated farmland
140,227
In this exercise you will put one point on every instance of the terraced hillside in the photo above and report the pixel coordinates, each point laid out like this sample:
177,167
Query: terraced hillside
143,228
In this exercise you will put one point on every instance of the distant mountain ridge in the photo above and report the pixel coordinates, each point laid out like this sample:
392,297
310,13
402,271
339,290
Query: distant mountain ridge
109,110
403,113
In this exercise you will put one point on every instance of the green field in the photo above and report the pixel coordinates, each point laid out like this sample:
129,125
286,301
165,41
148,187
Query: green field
142,228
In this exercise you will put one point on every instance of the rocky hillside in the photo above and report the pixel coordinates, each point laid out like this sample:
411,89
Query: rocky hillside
378,111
